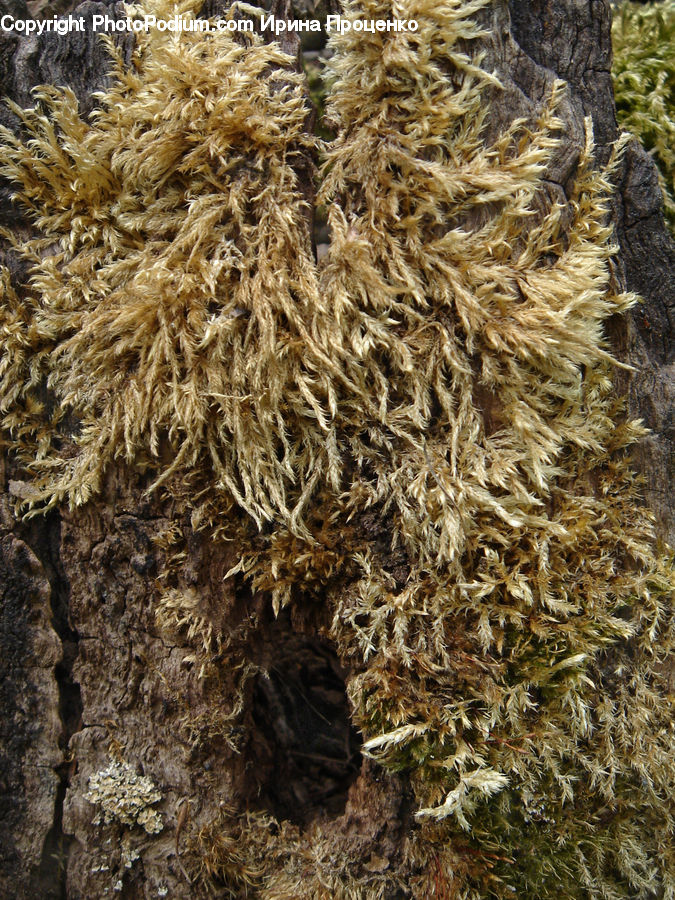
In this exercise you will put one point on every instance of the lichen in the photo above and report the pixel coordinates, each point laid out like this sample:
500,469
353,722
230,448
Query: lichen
125,797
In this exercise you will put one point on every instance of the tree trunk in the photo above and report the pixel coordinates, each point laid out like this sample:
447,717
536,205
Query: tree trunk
89,676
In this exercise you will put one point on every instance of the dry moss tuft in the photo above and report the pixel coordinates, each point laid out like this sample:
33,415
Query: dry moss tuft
427,420
536,601
176,314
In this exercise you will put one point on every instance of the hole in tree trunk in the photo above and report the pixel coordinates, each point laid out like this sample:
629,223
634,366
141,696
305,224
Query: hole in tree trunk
303,752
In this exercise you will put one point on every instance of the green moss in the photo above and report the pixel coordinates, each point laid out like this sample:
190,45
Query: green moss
644,84
314,72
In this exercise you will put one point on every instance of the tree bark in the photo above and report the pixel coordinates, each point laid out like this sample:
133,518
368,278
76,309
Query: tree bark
86,670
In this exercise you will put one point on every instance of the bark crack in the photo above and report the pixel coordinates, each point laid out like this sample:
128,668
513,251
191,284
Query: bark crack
43,536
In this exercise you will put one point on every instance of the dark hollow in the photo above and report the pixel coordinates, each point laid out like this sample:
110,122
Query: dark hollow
304,753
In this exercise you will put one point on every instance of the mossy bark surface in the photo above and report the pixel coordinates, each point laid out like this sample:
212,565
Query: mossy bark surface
87,673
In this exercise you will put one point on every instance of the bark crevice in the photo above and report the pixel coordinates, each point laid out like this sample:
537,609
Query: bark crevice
43,535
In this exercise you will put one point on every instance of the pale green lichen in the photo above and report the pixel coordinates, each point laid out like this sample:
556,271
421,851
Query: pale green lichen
125,797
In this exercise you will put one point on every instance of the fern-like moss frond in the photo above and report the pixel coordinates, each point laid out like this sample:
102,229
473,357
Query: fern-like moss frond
178,313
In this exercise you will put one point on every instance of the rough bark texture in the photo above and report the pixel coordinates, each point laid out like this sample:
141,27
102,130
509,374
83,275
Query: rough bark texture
86,671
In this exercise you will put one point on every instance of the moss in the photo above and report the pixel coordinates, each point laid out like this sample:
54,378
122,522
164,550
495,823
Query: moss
644,84
317,92
179,283
419,433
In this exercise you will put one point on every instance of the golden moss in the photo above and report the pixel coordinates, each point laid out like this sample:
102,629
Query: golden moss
426,420
179,301
536,601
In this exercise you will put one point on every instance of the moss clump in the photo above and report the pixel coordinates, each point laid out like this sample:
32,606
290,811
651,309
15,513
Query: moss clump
426,420
176,313
644,84
535,604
